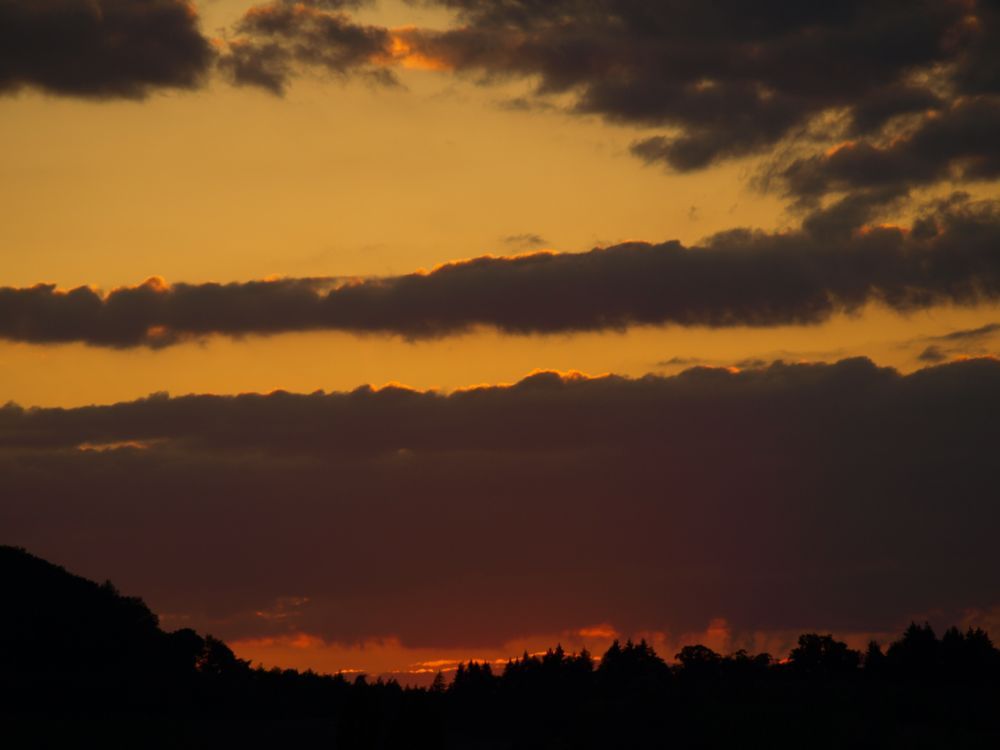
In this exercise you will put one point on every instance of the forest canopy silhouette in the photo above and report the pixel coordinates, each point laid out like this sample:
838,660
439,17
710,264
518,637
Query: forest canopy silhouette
72,650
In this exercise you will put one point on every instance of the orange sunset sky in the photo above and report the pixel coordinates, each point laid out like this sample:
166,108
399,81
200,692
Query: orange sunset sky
423,149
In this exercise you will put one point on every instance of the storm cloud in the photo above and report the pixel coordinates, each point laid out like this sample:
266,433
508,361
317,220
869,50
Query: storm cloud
101,48
737,278
841,496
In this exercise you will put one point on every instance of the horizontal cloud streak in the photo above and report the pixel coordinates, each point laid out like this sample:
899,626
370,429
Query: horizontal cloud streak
738,278
961,343
976,334
840,496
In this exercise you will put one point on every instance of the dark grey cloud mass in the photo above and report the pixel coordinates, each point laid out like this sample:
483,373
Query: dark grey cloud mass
274,41
130,48
101,48
738,278
733,77
843,496
933,353
915,85
959,143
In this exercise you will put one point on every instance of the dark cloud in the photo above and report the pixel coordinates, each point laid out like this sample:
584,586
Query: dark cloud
844,217
757,361
751,363
129,48
265,65
843,496
978,67
724,79
958,143
101,48
738,278
880,106
967,334
733,78
276,40
932,354
962,343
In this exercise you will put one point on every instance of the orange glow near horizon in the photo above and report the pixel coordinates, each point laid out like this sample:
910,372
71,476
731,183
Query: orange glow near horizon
417,665
389,658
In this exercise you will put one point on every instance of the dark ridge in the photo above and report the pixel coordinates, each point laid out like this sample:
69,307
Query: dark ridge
59,623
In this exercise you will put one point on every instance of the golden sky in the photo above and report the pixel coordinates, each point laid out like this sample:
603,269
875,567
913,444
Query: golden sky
342,176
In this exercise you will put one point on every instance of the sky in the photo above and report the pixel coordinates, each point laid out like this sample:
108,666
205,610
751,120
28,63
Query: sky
373,336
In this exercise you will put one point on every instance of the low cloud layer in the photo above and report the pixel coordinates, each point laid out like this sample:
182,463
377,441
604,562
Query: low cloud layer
844,497
738,278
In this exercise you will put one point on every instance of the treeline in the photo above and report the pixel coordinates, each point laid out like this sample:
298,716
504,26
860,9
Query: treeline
79,660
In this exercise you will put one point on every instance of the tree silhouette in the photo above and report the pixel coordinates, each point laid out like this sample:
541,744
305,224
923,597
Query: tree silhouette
917,653
874,659
73,652
439,685
822,656
699,662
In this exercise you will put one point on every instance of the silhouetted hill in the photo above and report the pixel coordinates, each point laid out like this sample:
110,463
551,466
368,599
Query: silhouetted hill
82,665
72,649
57,622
